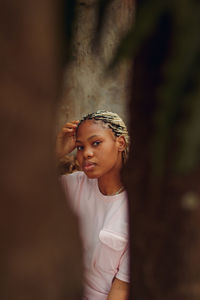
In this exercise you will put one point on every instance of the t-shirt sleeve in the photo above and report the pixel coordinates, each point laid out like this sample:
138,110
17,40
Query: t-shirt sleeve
70,184
124,266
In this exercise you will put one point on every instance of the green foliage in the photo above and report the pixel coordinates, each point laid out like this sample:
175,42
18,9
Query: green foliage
147,18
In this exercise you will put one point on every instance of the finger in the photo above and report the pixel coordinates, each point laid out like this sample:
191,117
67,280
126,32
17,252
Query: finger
70,125
72,122
68,129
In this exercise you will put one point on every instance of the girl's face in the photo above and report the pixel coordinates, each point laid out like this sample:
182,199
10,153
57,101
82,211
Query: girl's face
99,152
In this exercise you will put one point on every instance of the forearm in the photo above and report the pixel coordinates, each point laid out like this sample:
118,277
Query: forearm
119,290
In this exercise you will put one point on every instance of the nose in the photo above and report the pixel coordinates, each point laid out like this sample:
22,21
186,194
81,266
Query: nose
88,153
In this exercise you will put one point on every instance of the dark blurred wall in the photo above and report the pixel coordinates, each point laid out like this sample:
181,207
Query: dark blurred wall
163,172
40,247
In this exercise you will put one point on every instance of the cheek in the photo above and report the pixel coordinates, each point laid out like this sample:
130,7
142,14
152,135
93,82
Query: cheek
112,149
110,152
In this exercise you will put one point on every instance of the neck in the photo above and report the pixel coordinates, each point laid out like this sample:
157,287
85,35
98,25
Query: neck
110,183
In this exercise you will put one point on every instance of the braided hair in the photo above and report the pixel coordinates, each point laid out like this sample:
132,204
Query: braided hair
114,122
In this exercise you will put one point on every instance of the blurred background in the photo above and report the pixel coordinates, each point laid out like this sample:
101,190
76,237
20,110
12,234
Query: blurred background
97,29
60,60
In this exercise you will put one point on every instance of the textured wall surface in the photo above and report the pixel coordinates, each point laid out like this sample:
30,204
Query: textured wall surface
87,87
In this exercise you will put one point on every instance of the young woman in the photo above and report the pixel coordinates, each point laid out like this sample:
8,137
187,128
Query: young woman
98,197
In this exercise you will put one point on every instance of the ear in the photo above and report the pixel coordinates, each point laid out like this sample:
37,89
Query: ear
121,143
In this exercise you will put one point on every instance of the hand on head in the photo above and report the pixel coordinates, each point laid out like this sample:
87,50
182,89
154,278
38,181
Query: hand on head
66,139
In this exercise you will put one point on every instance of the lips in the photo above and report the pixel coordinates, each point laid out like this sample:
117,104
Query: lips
88,166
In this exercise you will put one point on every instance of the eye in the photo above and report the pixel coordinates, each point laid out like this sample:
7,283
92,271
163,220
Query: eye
79,148
96,143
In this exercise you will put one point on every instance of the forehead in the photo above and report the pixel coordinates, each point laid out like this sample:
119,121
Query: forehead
91,127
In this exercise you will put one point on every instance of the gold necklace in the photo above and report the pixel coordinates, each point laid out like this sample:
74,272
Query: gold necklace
119,191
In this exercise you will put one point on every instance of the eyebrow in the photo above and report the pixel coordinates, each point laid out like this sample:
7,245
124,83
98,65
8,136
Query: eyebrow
91,137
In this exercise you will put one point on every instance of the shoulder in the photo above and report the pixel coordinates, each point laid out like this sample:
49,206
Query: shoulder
75,187
76,177
76,181
77,174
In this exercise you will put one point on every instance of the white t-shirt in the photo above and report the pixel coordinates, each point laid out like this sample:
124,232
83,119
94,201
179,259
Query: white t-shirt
103,222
